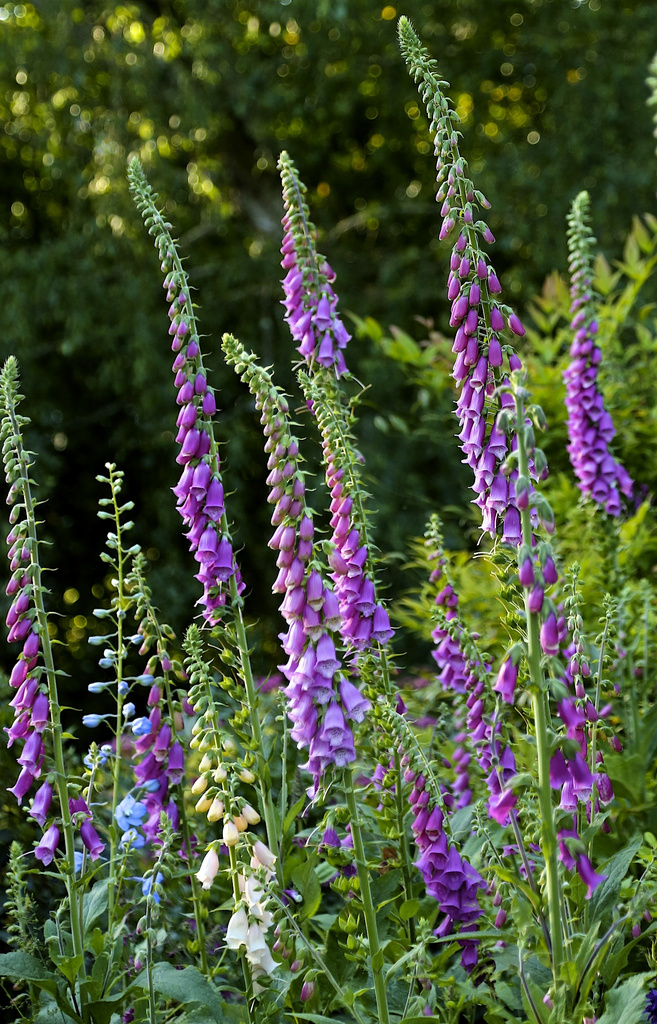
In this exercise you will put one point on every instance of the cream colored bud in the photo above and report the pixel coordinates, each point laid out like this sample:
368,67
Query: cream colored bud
231,835
206,743
221,774
247,776
229,746
200,785
250,814
203,804
241,823
194,743
206,763
216,811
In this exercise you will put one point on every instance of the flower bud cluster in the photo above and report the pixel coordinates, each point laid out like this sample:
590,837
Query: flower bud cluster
322,702
251,919
590,427
478,316
310,302
199,492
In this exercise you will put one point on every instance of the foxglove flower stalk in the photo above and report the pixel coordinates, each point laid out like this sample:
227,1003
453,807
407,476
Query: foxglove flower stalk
484,326
590,427
37,708
450,879
322,702
199,492
310,302
365,622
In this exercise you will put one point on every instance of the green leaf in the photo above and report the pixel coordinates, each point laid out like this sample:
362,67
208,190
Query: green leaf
94,905
70,966
24,967
409,909
305,880
317,1018
625,1004
293,813
188,986
421,1020
615,869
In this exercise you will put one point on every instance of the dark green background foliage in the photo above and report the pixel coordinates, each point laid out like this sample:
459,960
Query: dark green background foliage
207,92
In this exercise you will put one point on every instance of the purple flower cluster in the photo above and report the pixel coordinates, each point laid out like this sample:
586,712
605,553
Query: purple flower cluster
311,309
590,428
463,675
161,764
199,492
450,879
30,704
310,302
364,620
322,702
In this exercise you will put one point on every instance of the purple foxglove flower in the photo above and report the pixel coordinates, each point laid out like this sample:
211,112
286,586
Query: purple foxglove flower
31,754
176,764
535,600
46,849
506,680
526,572
91,839
354,703
22,785
41,803
588,875
549,635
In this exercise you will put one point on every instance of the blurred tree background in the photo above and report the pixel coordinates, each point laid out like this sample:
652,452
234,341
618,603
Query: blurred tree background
207,92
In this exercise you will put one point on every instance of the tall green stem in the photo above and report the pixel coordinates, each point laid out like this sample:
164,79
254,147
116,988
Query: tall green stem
541,720
376,953
55,717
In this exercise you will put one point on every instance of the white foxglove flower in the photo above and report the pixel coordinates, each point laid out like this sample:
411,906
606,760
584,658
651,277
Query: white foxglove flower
208,870
238,929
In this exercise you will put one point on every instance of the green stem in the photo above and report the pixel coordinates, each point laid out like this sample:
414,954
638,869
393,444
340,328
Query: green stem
541,720
55,716
376,953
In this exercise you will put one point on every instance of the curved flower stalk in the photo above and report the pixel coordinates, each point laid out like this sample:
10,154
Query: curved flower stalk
590,427
200,490
36,704
484,326
322,702
310,302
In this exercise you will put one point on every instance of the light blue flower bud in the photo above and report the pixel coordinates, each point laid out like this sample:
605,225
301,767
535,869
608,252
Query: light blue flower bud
141,727
96,687
128,710
122,688
146,679
96,641
92,721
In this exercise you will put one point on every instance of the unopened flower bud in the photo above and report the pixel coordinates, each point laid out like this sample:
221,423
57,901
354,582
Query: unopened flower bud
231,834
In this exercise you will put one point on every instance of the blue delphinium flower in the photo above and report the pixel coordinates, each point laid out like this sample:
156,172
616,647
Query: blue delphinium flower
651,1006
129,813
147,885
